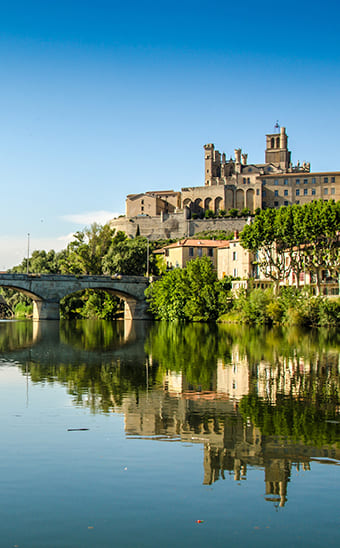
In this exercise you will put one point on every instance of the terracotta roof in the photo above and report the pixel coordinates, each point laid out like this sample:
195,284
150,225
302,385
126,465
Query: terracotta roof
187,242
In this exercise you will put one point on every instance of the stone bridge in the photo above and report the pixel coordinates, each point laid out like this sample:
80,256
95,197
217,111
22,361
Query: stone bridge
46,291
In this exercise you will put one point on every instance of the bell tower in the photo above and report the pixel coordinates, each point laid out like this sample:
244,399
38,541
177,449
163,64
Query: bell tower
277,152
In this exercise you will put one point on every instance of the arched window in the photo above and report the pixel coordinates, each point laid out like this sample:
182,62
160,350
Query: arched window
272,145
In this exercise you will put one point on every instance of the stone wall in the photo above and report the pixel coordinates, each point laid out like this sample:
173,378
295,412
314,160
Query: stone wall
173,225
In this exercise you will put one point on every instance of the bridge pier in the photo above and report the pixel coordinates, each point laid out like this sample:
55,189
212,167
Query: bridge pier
135,310
45,310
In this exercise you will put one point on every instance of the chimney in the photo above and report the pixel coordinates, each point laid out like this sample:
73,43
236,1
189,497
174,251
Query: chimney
235,234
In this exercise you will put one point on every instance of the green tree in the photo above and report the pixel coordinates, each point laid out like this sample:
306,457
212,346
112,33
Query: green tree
266,237
191,293
86,251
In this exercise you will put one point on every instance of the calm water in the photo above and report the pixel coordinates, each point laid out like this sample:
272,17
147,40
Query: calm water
120,434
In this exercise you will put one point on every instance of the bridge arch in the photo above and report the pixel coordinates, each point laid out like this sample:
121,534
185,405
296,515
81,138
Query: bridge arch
46,291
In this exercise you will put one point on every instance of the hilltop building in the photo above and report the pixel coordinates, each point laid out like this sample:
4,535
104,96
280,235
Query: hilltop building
229,184
235,183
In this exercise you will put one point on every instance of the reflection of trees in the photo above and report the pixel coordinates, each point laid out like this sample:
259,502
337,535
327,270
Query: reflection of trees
192,349
100,387
264,344
93,335
302,420
14,335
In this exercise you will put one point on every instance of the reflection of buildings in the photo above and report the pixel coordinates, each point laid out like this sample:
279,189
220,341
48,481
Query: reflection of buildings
182,412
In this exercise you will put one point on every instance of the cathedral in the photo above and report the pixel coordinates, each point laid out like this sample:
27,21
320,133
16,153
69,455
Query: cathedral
236,184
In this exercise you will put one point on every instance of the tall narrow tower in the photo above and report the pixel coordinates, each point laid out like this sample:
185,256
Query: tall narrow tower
212,160
277,152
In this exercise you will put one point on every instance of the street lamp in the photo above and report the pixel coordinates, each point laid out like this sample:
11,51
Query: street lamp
28,252
147,258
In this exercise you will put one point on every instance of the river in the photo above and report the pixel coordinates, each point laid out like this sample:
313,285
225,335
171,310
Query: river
162,434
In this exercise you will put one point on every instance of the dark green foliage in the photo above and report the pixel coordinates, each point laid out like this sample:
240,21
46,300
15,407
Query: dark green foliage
245,212
291,306
313,422
192,293
214,235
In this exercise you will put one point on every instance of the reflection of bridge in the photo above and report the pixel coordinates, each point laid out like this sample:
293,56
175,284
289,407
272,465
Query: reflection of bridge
46,291
48,344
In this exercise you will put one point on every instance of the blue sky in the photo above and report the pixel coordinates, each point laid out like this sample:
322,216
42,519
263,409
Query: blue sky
100,99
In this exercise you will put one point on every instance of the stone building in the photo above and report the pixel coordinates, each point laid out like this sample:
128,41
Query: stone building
235,183
229,184
152,203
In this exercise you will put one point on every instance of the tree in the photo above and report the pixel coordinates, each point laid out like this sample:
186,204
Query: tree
86,252
191,293
266,237
321,233
129,256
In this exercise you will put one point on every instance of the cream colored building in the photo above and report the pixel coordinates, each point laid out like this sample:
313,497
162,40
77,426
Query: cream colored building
177,255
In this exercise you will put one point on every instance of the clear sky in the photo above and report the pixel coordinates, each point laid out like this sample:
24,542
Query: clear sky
101,98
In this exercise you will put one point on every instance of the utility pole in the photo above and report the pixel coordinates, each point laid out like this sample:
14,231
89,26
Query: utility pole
28,252
147,258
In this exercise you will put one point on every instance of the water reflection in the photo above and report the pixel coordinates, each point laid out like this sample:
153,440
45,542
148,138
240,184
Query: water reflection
253,398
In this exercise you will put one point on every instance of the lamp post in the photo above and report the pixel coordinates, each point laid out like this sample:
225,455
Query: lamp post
28,252
147,257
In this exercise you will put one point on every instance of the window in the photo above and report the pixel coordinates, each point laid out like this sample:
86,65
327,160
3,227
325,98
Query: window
297,181
297,192
285,203
297,201
276,182
167,253
142,208
325,190
210,252
332,179
285,182
313,191
333,190
263,192
200,252
191,251
142,202
325,179
248,181
250,170
305,191
234,255
244,180
235,273
313,180
305,181
285,192
257,192
276,192
276,204
264,182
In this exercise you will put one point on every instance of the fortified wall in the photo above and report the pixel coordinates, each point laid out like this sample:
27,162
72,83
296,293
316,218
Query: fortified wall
173,225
